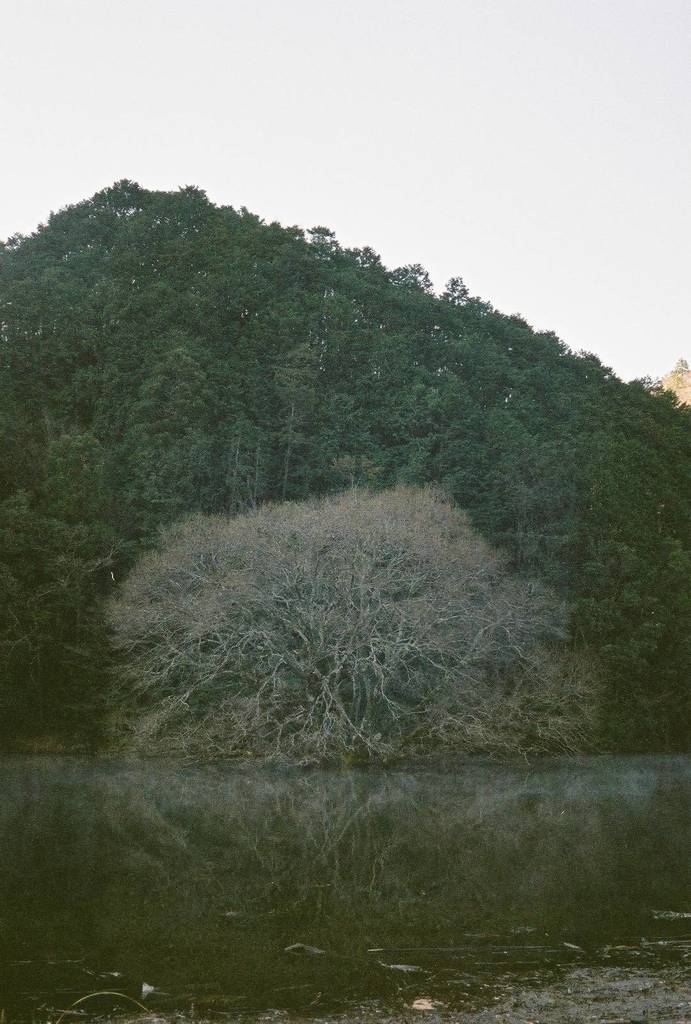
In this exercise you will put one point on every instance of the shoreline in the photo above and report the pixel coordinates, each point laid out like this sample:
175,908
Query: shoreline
436,762
601,995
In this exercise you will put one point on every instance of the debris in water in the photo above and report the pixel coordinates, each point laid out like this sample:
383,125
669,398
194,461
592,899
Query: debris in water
304,950
671,915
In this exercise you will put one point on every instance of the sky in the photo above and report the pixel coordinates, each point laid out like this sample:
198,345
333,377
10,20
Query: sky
540,149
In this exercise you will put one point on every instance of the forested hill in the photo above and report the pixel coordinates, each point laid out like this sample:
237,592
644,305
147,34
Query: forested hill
160,354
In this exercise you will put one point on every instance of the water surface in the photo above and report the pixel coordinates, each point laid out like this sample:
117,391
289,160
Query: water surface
194,881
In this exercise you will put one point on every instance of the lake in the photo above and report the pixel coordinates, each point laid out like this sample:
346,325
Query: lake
390,885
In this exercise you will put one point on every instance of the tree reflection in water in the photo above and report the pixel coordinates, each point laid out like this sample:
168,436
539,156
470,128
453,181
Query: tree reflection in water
195,880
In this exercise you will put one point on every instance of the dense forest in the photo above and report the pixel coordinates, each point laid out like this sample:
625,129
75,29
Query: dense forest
162,356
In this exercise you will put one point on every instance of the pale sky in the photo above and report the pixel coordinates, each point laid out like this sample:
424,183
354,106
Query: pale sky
539,148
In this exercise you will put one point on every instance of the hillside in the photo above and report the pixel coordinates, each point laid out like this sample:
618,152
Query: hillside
163,356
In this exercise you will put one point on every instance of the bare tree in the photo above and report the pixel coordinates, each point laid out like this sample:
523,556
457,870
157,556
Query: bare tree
352,627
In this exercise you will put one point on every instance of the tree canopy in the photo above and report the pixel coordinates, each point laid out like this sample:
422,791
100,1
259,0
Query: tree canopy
364,625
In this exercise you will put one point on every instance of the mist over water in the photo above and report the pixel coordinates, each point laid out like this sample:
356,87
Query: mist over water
195,880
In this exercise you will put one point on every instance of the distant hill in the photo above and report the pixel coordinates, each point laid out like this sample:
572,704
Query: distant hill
162,356
679,382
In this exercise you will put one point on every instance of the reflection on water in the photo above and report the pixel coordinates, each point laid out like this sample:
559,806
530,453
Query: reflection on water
195,880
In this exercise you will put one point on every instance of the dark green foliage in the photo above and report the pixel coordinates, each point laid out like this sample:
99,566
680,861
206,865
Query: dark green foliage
160,355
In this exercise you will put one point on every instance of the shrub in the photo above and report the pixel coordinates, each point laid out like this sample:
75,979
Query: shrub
354,627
